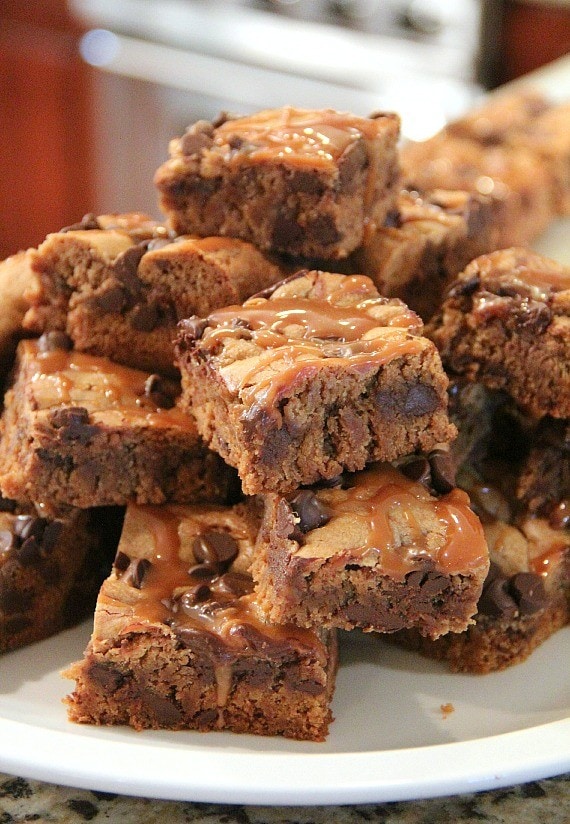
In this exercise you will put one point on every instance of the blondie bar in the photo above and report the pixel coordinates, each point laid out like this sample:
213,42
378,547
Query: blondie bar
318,375
506,323
118,284
179,641
82,431
298,181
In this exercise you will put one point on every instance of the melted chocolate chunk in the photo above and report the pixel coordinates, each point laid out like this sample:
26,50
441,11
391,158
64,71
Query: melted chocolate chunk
217,549
192,596
112,300
496,601
309,510
145,317
421,400
51,341
126,266
105,676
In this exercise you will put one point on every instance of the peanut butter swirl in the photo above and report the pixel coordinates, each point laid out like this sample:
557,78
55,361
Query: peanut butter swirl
395,524
291,338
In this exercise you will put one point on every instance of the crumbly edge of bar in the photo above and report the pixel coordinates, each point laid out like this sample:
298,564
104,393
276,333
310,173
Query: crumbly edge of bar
148,680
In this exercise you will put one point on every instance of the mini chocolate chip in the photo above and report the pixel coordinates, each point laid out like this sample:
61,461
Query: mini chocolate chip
464,287
51,341
442,471
121,562
87,222
7,540
310,511
145,317
421,400
216,549
7,504
137,571
496,601
233,583
417,469
193,327
528,591
160,391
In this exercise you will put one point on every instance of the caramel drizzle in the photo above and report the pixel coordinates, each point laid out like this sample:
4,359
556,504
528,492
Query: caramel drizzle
114,387
373,501
169,575
302,335
296,136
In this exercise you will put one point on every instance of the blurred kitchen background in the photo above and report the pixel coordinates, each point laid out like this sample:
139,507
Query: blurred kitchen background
93,90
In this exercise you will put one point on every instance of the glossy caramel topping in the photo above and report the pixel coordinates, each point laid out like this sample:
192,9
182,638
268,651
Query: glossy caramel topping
294,337
173,574
297,136
98,384
393,523
519,267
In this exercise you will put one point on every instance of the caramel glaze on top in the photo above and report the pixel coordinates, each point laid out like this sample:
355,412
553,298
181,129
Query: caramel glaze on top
299,137
393,518
68,378
515,267
196,598
295,336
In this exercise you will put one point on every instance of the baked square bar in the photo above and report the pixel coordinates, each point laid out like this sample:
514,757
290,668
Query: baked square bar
51,568
518,479
505,323
383,550
518,182
179,641
298,181
318,376
118,284
82,431
424,244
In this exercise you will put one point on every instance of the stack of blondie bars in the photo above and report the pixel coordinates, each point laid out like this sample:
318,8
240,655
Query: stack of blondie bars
236,417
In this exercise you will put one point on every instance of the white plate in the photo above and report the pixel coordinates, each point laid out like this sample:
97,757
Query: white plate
390,740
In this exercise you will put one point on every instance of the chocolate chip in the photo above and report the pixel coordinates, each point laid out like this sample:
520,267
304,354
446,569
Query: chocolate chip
126,265
496,601
160,391
145,317
192,596
73,423
528,591
193,327
121,562
393,219
421,400
233,583
464,287
105,676
7,540
442,471
309,510
417,469
197,137
88,221
217,549
137,571
28,526
7,504
202,572
536,317
111,301
51,341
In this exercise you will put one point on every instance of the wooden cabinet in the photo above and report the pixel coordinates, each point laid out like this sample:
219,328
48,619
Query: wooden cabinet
45,123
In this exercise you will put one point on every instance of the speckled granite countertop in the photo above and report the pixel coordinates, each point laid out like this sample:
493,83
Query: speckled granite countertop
533,803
